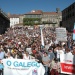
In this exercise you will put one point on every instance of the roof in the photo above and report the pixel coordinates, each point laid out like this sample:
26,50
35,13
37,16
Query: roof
14,15
52,13
38,12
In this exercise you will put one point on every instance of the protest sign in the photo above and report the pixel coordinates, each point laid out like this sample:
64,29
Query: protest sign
22,67
61,34
67,62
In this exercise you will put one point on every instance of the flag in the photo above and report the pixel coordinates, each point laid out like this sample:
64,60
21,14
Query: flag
42,37
74,33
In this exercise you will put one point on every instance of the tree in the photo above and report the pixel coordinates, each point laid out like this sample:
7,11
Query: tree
31,21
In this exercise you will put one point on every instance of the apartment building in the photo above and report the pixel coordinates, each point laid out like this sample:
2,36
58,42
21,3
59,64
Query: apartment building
68,17
52,19
47,18
4,22
14,19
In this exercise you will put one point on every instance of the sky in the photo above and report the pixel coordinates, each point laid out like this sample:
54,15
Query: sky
24,6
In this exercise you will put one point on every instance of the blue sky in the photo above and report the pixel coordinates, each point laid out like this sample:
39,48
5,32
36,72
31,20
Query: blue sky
24,6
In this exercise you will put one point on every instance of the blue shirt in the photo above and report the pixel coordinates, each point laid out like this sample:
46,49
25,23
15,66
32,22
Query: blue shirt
1,55
51,55
1,66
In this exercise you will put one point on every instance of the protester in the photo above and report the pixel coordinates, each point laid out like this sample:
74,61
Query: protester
1,67
1,54
67,50
55,67
51,54
38,57
14,44
9,55
73,51
58,50
26,56
1,57
46,62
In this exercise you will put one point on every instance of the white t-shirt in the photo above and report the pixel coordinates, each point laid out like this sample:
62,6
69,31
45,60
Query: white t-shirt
10,57
59,52
26,57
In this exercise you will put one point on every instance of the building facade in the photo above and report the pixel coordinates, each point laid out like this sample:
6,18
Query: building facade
47,18
4,22
51,19
14,19
34,14
21,19
68,17
34,17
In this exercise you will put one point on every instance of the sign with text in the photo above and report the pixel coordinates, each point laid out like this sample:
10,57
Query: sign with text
61,34
67,62
22,67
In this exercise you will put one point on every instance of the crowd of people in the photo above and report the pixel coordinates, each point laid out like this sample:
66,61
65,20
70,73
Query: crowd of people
14,44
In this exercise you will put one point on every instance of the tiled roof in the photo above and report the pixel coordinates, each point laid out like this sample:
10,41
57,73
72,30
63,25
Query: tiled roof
14,15
52,13
35,12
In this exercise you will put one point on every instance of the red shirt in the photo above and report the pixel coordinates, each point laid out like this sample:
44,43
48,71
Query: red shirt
34,51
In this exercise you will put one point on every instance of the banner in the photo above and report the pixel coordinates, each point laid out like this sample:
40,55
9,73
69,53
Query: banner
42,37
67,62
22,67
61,34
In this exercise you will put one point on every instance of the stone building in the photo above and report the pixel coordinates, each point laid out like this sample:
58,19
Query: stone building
51,19
4,22
68,17
14,19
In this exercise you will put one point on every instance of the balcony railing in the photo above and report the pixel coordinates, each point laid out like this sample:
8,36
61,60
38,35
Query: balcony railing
49,22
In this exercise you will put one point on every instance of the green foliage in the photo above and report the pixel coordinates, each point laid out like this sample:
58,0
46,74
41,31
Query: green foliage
31,21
